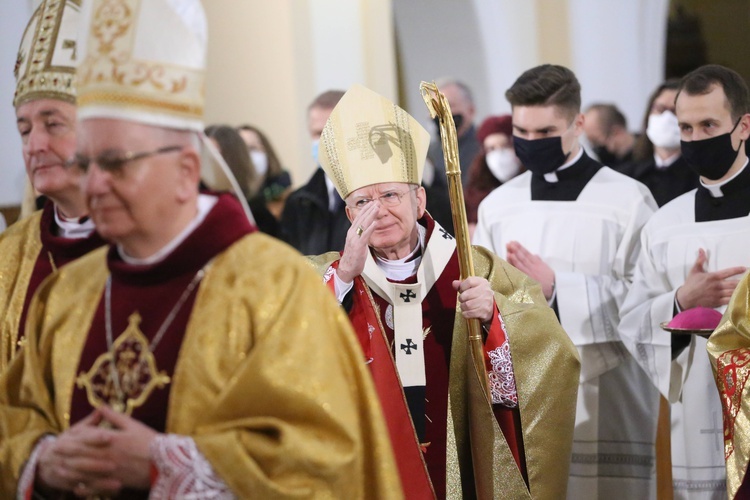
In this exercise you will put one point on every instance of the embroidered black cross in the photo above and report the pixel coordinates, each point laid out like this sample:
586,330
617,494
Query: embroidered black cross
408,295
408,346
446,234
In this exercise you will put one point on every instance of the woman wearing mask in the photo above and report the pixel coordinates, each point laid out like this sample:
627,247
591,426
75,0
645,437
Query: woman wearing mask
273,183
657,160
494,165
234,151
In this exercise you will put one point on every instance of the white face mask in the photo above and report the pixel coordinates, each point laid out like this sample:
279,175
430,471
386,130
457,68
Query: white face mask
503,164
663,130
260,162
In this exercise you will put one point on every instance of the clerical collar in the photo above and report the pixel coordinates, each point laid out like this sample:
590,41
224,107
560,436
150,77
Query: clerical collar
715,190
333,196
552,176
401,269
571,181
205,204
667,162
74,229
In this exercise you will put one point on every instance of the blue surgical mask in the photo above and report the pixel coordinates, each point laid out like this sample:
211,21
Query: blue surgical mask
315,148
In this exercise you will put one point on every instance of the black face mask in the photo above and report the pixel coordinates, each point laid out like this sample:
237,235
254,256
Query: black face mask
541,156
457,119
711,158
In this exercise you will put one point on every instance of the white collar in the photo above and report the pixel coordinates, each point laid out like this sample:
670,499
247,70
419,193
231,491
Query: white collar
666,162
400,269
552,176
205,204
715,189
331,194
73,229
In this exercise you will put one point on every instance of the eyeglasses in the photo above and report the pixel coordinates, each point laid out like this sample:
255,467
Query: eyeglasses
387,199
115,164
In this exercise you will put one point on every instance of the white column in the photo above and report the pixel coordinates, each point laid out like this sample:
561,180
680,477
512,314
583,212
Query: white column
13,18
618,51
615,48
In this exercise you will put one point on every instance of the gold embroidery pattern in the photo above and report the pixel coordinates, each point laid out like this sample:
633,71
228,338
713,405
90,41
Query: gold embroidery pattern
111,74
19,247
111,21
39,79
136,370
133,100
733,370
329,142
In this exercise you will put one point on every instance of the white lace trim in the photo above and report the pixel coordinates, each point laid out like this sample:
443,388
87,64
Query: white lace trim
502,379
183,472
26,482
328,275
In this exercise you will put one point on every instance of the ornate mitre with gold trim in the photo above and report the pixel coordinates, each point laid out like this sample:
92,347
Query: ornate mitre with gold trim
368,140
46,62
145,61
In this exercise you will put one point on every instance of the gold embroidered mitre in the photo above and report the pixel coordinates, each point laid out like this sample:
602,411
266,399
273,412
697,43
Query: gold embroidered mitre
46,63
368,140
144,61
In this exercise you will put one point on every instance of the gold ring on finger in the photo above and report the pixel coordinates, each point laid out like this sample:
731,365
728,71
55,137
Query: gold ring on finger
360,230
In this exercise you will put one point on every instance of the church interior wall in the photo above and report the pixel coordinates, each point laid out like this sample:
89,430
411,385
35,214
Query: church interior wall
725,26
268,60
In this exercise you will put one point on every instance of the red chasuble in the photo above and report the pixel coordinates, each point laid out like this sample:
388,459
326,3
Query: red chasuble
55,253
422,462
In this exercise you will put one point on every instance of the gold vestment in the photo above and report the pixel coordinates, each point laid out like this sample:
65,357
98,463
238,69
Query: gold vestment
20,245
269,381
729,352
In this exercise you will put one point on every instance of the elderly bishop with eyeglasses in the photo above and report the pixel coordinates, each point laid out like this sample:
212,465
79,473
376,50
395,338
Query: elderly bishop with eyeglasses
398,279
193,357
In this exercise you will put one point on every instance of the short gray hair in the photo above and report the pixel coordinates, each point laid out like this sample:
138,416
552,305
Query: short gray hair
450,81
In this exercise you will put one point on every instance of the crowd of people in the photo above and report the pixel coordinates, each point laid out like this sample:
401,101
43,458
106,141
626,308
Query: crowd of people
176,321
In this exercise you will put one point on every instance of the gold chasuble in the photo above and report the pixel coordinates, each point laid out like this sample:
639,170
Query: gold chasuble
729,352
19,246
31,250
268,381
